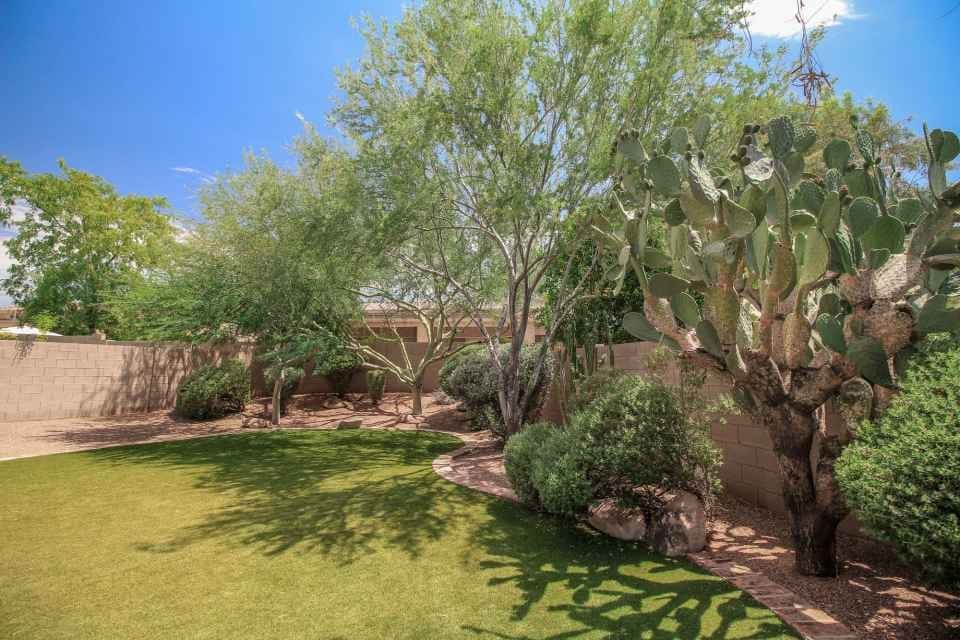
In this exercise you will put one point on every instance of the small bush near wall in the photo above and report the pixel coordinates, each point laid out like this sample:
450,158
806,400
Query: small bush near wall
632,443
376,382
474,382
901,475
338,365
592,387
520,453
451,363
213,392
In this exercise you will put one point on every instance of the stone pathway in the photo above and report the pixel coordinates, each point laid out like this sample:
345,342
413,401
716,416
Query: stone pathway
477,465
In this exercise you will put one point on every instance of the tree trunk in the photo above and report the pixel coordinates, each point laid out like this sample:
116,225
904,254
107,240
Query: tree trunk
815,542
417,390
813,501
275,404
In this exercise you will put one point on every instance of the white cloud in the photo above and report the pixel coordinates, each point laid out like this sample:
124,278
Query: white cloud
777,18
185,170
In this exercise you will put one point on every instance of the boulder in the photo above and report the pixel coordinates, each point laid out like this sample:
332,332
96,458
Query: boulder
680,527
619,522
254,422
439,397
333,402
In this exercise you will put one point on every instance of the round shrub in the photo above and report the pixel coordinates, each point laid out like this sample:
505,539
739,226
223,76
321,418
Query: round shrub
471,379
475,383
376,382
518,456
900,475
560,474
213,392
640,441
450,363
631,443
592,387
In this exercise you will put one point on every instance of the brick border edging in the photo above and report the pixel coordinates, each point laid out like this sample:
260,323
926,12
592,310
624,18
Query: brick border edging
443,466
807,620
804,618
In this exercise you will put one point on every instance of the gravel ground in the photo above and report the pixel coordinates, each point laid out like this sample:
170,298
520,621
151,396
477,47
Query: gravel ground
875,595
28,438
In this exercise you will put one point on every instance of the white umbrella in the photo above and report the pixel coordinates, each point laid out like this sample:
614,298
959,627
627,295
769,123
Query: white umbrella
28,331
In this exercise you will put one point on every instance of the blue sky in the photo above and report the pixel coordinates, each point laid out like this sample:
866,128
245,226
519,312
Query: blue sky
146,93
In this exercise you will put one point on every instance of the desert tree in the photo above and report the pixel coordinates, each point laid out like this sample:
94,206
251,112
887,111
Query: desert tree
423,294
506,110
78,242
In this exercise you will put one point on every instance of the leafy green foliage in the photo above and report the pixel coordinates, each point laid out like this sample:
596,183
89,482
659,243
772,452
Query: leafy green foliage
450,364
632,442
474,381
519,456
214,391
271,262
78,243
376,382
593,386
900,473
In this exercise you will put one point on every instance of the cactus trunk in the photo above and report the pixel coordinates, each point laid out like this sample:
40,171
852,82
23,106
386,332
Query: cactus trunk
814,505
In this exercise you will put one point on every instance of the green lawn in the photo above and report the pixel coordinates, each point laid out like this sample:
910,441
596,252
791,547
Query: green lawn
324,534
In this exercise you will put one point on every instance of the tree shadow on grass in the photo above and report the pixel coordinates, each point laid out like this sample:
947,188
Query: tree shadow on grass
339,493
620,590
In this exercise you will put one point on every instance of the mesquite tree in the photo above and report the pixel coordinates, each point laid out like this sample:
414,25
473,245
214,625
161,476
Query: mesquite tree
803,288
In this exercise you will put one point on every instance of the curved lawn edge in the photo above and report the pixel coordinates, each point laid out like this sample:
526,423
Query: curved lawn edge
804,618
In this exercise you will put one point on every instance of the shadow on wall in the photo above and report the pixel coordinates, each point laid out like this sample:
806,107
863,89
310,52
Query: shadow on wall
62,377
148,374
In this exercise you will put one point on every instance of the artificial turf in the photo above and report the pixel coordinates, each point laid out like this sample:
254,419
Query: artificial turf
322,534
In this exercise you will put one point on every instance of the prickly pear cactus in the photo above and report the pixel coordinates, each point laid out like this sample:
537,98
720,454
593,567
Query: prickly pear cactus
769,262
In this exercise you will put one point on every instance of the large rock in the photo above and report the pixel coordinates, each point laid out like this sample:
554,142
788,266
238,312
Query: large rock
620,522
333,402
681,525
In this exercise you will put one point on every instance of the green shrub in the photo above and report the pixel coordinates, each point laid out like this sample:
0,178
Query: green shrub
639,441
631,443
450,363
592,387
560,474
338,366
518,457
901,475
212,392
475,383
376,382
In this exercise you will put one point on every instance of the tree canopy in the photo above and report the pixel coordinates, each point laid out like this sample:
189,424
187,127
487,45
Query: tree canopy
78,242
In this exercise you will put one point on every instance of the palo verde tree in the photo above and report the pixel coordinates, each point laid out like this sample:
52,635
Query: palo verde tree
415,283
503,109
78,242
813,287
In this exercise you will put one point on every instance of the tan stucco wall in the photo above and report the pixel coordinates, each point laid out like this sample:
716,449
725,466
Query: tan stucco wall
72,377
